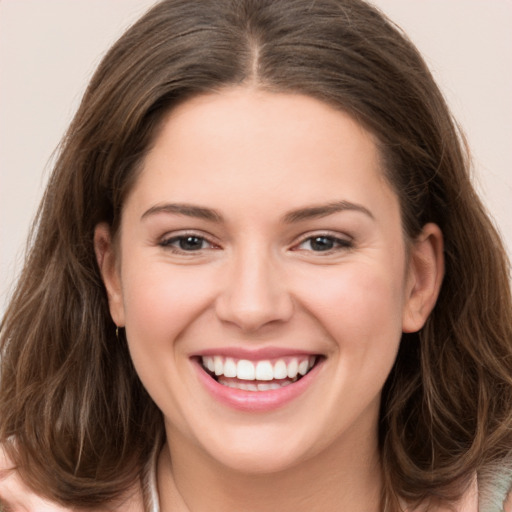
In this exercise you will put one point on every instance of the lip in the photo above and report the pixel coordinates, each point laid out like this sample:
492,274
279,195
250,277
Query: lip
256,401
258,354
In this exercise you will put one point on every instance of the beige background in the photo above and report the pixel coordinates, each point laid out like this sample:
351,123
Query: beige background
49,49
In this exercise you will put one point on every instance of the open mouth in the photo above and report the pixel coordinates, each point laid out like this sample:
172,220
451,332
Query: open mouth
262,375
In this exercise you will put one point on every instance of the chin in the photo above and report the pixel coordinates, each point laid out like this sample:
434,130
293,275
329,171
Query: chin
260,450
260,463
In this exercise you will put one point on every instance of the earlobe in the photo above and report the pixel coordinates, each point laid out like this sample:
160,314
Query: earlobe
425,276
107,263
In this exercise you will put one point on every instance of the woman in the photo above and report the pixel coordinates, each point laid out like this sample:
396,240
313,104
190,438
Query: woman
261,280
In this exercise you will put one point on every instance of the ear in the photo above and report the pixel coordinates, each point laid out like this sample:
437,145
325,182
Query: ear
109,269
424,279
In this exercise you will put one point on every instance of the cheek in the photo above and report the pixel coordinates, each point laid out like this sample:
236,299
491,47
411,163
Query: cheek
361,314
160,301
359,306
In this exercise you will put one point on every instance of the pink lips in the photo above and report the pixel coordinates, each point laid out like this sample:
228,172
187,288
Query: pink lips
255,354
255,401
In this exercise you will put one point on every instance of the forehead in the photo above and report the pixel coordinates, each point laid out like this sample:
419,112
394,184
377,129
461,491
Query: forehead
253,147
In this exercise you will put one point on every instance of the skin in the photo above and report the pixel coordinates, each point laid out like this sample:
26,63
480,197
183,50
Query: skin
257,280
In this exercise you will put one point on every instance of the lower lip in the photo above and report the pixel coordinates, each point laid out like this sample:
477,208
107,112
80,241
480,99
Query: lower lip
256,401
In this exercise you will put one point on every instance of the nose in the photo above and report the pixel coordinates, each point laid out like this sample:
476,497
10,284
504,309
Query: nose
254,294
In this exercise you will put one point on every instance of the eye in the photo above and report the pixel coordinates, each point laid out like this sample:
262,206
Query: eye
187,243
324,243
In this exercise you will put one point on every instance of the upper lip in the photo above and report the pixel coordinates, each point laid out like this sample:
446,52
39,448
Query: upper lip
254,354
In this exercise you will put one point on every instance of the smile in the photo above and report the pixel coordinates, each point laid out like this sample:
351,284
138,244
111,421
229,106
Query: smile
261,375
257,383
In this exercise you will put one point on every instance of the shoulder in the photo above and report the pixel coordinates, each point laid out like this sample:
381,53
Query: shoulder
508,503
487,492
495,488
15,496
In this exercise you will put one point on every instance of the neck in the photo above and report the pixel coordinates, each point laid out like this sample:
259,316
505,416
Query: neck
342,477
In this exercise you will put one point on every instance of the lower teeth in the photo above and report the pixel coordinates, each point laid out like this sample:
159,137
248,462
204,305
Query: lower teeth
251,386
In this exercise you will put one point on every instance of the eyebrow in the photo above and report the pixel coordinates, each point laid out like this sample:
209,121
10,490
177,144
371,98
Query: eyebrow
317,212
188,210
310,212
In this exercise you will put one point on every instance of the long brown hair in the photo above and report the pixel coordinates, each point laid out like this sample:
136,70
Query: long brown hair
73,414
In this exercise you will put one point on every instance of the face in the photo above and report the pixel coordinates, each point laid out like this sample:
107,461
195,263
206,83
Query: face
263,279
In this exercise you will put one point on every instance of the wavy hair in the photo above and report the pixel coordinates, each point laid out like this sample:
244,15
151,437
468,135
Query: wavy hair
83,424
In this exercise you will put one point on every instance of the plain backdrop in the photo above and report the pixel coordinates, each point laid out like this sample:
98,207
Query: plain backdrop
49,49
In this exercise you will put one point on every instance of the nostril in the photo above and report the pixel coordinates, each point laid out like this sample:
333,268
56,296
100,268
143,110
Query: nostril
253,296
251,315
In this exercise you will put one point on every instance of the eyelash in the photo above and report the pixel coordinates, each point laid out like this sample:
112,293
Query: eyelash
336,243
168,243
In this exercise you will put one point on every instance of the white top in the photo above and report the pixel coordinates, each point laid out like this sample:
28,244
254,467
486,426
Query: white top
149,487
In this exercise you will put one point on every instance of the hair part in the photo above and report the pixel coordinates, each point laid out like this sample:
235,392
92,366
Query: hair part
82,422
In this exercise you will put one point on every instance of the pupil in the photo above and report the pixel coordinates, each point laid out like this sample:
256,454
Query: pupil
322,243
190,243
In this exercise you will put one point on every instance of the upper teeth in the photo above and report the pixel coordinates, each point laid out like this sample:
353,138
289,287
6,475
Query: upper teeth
244,369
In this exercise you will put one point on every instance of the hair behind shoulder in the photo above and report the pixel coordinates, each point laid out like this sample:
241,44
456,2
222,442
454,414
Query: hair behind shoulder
84,426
